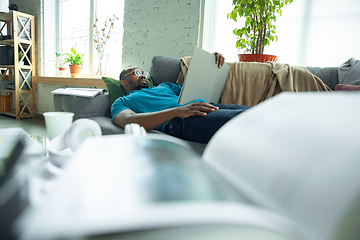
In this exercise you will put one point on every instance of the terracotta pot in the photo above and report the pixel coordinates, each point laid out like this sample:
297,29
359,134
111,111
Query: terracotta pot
62,71
75,71
257,58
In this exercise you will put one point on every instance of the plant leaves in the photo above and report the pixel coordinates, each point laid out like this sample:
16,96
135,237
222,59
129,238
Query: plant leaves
260,16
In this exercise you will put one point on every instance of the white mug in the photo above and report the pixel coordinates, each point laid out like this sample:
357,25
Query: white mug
57,123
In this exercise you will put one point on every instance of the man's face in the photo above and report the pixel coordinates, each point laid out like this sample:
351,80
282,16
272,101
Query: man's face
135,79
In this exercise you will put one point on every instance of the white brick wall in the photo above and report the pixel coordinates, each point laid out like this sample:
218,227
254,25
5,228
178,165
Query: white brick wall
159,27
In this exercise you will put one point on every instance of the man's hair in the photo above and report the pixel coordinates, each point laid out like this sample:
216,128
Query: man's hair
121,77
123,72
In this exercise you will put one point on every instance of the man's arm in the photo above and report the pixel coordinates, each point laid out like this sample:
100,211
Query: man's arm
154,119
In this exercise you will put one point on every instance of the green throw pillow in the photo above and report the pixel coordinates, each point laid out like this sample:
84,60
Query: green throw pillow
114,89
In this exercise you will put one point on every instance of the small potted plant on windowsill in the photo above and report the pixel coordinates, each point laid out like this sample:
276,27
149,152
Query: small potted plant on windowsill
76,63
60,64
259,29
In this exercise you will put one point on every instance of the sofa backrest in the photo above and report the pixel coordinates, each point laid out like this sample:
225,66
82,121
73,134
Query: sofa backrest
167,69
164,69
83,107
329,75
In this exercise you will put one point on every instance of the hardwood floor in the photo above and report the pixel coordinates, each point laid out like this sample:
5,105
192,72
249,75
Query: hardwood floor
33,126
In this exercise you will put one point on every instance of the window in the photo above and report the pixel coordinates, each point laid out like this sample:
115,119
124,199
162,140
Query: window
76,19
311,33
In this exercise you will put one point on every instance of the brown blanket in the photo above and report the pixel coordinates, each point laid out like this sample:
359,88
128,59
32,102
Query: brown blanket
249,83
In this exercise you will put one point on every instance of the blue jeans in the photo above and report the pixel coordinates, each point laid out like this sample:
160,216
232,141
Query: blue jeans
202,128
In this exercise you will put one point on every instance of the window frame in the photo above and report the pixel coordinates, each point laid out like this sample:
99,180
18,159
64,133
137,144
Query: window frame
59,38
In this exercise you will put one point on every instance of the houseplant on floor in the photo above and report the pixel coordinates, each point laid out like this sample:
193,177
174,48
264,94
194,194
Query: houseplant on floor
259,29
76,63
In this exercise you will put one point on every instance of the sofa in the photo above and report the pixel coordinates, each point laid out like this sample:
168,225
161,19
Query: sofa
162,69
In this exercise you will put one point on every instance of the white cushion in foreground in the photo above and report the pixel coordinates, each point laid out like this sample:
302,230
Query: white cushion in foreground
297,154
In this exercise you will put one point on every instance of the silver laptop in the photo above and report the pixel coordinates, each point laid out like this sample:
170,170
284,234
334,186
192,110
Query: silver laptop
203,79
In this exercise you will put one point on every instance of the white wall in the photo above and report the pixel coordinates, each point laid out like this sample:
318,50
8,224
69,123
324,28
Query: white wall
3,5
159,27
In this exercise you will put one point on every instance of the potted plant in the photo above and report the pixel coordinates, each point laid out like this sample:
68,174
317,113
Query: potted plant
259,29
76,63
20,57
60,64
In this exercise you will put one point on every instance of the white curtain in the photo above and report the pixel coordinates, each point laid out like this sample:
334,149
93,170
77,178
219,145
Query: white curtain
311,32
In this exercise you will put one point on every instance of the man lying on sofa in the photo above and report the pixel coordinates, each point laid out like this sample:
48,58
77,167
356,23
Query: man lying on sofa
157,108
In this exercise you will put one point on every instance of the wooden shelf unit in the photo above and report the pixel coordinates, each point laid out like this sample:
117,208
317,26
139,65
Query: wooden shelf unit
21,27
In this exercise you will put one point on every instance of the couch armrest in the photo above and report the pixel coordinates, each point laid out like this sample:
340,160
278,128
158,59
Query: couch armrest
83,107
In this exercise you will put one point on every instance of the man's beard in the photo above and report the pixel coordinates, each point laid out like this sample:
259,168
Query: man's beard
141,85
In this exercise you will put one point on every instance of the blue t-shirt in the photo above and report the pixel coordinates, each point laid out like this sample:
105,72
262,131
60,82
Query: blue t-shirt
154,99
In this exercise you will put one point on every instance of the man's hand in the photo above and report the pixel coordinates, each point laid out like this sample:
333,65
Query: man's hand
219,59
194,109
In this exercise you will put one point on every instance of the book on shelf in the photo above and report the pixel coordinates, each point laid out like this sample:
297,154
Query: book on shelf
284,169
